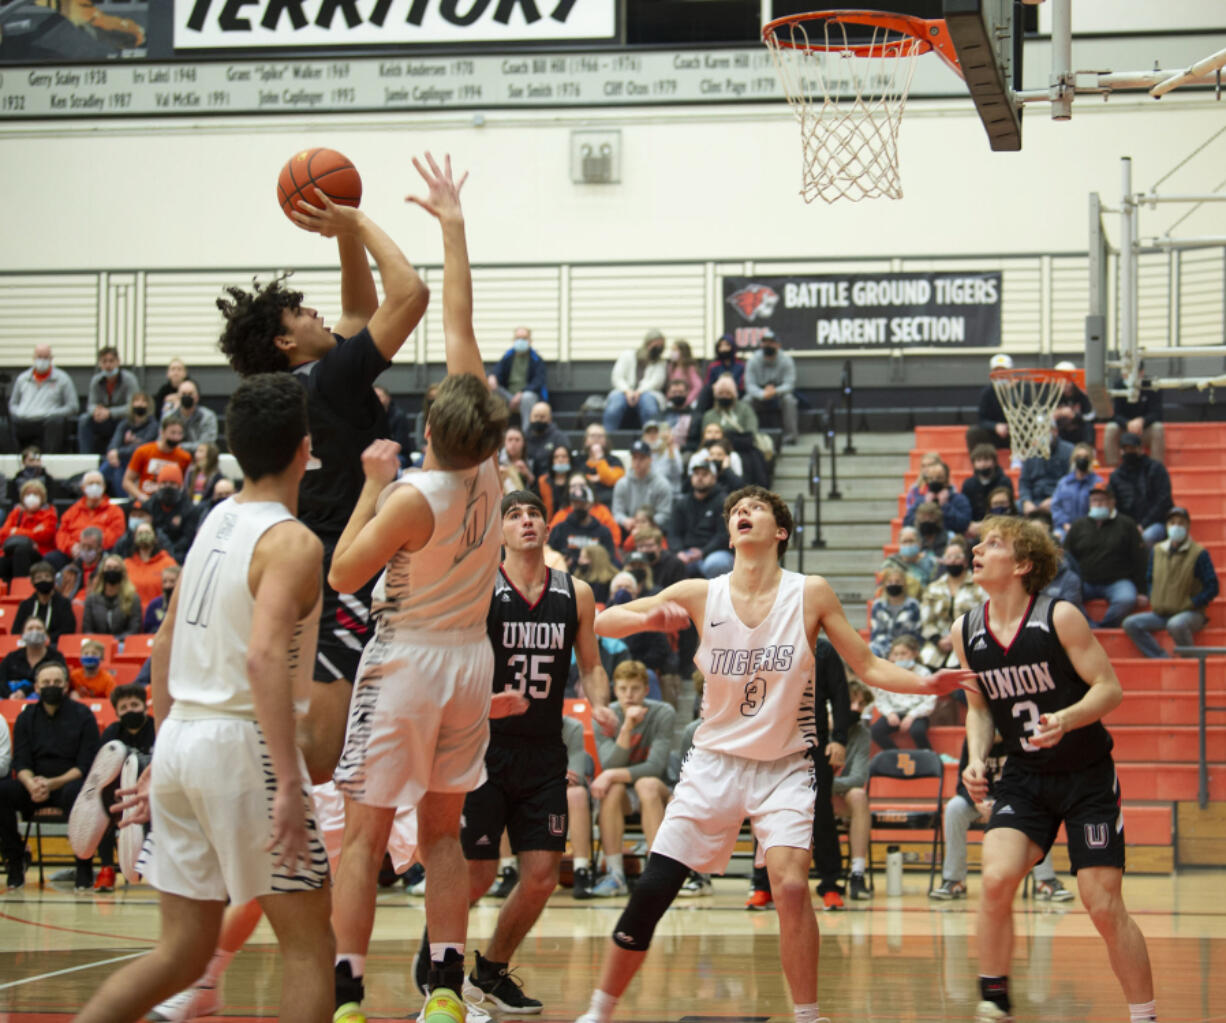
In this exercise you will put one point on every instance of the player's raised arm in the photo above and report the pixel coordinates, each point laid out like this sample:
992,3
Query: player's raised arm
864,664
1090,661
670,610
443,201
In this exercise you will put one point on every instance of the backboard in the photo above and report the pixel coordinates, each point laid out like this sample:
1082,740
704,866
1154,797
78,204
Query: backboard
988,37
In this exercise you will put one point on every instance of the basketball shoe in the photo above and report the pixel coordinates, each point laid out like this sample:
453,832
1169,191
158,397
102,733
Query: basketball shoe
990,1012
696,884
350,1012
131,837
187,1005
949,890
583,883
610,886
1052,891
759,900
857,889
88,821
832,900
495,984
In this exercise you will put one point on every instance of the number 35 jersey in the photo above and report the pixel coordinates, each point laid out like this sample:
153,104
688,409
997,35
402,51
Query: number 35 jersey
1030,677
532,645
757,700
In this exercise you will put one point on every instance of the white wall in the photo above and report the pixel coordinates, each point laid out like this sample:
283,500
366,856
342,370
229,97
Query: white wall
696,183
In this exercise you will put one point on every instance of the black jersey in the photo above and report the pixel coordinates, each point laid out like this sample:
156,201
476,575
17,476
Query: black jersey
532,645
345,416
1031,677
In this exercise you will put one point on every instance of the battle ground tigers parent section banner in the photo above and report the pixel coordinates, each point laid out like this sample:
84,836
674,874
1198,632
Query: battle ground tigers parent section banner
948,309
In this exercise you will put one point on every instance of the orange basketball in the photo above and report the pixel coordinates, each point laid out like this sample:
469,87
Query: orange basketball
323,169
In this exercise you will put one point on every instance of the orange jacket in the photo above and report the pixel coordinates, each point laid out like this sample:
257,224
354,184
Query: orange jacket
38,526
85,687
146,576
80,516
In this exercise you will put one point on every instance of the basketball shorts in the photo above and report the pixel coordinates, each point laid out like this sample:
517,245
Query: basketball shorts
717,792
212,802
418,721
345,626
525,793
1087,801
330,813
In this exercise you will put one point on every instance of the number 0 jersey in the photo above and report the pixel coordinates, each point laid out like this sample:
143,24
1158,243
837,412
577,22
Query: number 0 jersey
757,701
1030,677
532,645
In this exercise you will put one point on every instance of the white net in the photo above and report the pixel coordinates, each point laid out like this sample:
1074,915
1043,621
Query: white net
1028,405
847,88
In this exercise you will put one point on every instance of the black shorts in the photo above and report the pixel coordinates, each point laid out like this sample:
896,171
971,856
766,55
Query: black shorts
345,627
1087,801
525,794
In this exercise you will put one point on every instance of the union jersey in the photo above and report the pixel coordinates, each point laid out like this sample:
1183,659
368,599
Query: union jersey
532,645
1030,677
441,593
757,701
212,627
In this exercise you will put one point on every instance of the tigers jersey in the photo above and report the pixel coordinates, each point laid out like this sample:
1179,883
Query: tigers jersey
1030,677
757,701
532,646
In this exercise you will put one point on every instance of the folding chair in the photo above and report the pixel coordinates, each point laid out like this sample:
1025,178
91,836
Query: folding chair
909,765
39,816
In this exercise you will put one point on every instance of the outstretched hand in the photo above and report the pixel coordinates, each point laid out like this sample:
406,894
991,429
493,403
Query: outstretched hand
443,199
328,218
948,680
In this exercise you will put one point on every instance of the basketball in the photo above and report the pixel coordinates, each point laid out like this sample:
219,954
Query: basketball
443,1007
324,169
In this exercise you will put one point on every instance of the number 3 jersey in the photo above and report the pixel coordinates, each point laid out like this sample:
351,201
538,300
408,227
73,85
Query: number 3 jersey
532,645
757,698
1030,677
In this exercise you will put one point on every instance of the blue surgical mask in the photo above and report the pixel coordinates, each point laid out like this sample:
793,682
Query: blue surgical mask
1177,534
90,661
907,663
561,467
1099,511
521,345
908,550
111,374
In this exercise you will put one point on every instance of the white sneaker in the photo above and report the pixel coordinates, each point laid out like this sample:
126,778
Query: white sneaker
990,1012
588,1017
89,819
188,1005
473,1013
131,837
417,889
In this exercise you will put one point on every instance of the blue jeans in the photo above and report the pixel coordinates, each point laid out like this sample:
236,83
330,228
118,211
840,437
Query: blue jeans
716,563
1120,595
1154,533
1141,626
617,409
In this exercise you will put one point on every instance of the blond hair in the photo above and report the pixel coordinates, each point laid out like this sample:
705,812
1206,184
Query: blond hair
467,421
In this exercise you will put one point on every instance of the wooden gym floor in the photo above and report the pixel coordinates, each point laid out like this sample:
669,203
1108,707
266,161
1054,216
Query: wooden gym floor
902,959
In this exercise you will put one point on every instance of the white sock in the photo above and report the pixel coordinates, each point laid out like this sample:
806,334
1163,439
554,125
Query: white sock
806,1013
357,964
438,949
602,1006
857,864
582,863
1142,1012
616,864
506,861
217,966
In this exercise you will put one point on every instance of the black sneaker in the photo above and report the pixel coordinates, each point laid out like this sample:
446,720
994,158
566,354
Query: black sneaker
17,873
507,878
495,984
583,883
857,889
421,965
84,882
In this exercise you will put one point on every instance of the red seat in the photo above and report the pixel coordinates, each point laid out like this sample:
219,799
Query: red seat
9,643
136,649
581,710
8,615
21,588
125,672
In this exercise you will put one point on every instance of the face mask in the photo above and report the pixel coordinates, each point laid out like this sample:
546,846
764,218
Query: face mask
172,444
42,365
111,374
1081,464
112,575
677,401
1099,511
640,575
187,402
52,696
44,586
166,595
909,550
651,556
928,529
132,720
561,468
92,490
1178,534
999,509
140,411
984,474
955,570
33,638
894,589
90,662
539,427
725,402
770,350
724,355
87,555
1132,458
32,502
906,662
700,489
168,495
622,596
654,353
936,488
521,345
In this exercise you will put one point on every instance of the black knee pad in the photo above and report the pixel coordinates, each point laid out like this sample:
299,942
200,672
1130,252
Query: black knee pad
659,884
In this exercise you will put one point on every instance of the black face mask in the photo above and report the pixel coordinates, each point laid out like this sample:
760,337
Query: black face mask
894,589
1132,458
654,353
166,595
172,444
725,402
770,351
140,411
651,557
955,570
132,720
724,356
539,427
1081,464
677,401
985,474
1000,510
44,586
168,495
187,402
928,529
935,488
52,696
578,515
112,575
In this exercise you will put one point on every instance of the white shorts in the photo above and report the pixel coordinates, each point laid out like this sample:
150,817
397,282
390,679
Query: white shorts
330,813
717,792
211,802
418,722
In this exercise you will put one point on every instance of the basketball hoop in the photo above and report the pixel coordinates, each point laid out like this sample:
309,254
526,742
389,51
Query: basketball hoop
846,74
1028,398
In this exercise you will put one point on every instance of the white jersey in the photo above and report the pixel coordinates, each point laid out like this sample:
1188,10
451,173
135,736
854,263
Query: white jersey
444,588
757,700
212,628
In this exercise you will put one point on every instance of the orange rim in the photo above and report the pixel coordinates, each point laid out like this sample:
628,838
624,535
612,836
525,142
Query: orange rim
1040,376
931,34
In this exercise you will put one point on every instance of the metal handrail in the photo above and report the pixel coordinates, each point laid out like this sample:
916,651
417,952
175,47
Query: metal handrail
848,390
815,491
798,537
834,494
1202,653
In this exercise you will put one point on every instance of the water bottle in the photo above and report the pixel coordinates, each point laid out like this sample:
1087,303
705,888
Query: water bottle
893,870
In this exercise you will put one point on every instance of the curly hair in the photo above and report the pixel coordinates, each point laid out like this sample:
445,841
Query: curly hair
253,323
1031,542
778,507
